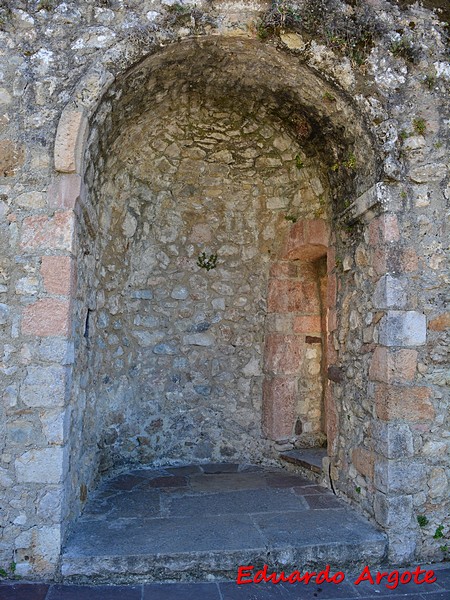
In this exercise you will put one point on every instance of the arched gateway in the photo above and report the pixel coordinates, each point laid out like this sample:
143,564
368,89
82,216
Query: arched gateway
217,274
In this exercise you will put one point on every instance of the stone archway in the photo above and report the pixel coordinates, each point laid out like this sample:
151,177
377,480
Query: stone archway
313,139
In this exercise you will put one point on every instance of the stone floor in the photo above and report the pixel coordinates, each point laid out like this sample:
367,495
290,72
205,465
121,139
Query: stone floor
200,523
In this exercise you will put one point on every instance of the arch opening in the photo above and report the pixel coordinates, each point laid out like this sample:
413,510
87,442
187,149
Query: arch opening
198,182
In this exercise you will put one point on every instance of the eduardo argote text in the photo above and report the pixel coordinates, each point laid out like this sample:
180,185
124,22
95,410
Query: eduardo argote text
391,579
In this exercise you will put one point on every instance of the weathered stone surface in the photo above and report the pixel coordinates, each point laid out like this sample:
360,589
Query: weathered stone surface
12,158
440,323
393,440
395,512
404,477
390,292
48,233
59,274
279,400
364,461
403,328
47,317
407,403
40,466
44,386
70,139
389,366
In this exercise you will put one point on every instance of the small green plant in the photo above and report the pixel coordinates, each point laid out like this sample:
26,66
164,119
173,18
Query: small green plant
329,97
420,126
430,81
439,533
291,218
350,163
444,548
299,162
205,262
9,572
422,520
358,489
403,135
179,9
403,194
405,48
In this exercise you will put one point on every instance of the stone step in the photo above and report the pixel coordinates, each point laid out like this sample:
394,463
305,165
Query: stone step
200,524
307,458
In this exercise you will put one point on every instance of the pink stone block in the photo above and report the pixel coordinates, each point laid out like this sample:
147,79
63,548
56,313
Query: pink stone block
47,317
48,233
279,402
59,274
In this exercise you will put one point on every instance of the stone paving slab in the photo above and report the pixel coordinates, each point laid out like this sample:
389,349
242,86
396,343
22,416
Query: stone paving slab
261,501
191,522
440,590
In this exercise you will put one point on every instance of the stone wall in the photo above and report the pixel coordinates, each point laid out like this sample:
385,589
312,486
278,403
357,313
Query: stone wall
108,115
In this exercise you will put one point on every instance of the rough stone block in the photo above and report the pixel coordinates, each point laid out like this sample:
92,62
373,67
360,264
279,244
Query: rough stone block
390,366
57,350
59,274
392,440
48,233
279,401
390,292
438,483
43,465
44,386
402,547
400,477
364,460
54,426
284,354
12,158
383,229
47,547
286,268
199,339
287,295
307,324
307,240
406,403
440,323
70,139
64,192
393,511
403,328
4,313
31,200
47,317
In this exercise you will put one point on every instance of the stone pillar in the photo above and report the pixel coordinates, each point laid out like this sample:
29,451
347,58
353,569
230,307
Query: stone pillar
399,403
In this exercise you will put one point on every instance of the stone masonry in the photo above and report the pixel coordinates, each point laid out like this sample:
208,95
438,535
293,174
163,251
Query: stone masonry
222,234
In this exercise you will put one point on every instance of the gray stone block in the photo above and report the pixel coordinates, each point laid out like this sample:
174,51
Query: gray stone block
400,477
44,386
390,292
394,512
403,328
393,440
